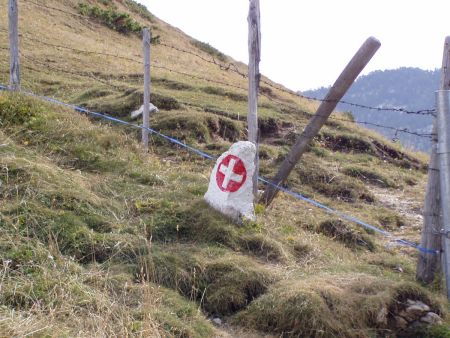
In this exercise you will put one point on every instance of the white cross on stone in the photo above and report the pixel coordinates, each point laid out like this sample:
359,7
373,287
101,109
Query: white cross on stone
229,173
230,189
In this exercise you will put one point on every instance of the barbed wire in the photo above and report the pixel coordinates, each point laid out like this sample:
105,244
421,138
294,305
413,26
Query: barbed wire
117,56
217,111
224,66
93,77
397,130
205,155
81,74
54,8
358,105
233,68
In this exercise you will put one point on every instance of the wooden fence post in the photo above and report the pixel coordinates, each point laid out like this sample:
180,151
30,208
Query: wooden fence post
334,95
254,49
14,70
428,265
146,114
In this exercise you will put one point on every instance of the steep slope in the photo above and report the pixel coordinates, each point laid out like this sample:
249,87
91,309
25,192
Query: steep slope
99,239
407,88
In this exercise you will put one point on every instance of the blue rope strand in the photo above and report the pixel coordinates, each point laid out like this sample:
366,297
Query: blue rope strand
263,180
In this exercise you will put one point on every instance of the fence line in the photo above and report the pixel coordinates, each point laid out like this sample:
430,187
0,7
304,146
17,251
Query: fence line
233,68
86,74
95,78
261,179
55,9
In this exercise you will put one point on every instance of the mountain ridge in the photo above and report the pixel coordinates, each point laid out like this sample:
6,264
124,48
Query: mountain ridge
406,88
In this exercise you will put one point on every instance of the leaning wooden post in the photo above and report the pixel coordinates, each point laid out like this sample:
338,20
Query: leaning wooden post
14,70
335,94
254,49
427,264
146,113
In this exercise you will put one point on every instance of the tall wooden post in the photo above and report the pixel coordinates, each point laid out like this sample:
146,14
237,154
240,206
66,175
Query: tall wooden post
443,118
14,70
254,49
146,113
335,94
427,264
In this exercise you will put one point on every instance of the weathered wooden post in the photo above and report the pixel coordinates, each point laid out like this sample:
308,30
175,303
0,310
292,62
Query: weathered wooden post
443,118
14,70
254,49
428,264
335,94
146,114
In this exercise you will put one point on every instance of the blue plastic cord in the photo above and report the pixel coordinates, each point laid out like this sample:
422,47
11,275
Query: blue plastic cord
263,180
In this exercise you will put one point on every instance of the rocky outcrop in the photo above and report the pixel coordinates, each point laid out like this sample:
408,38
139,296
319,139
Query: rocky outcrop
411,315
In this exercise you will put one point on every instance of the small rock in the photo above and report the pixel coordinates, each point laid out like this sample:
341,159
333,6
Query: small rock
382,316
415,325
399,269
417,310
410,302
431,318
152,109
400,322
217,321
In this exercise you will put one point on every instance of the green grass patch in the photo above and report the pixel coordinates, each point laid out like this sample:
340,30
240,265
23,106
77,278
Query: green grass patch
369,176
119,21
207,48
341,232
222,92
348,306
222,285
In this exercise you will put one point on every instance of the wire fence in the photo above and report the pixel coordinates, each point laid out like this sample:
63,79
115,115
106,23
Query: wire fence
263,180
225,67
231,67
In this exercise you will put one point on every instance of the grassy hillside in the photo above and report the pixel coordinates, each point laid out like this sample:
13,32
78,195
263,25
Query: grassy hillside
99,239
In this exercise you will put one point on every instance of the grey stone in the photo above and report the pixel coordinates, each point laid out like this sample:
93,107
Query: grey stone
415,325
217,321
398,269
137,113
417,310
230,189
418,303
431,318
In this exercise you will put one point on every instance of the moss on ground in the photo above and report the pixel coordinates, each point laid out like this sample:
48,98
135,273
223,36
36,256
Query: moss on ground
344,306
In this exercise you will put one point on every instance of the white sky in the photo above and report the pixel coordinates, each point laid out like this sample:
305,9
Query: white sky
306,44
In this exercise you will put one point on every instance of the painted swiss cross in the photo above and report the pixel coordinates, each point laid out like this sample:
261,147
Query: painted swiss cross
231,174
